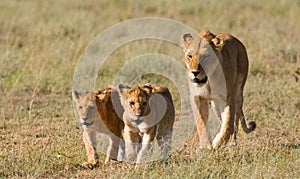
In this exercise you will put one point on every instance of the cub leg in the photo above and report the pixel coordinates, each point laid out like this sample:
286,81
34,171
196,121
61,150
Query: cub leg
132,142
146,148
164,142
89,139
121,152
113,148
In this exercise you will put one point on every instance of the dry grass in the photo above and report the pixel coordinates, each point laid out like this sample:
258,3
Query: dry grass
41,41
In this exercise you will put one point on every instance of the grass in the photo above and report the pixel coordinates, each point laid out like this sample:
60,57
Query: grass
41,42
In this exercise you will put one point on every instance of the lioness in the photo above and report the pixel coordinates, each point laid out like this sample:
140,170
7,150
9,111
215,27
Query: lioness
96,114
146,119
217,68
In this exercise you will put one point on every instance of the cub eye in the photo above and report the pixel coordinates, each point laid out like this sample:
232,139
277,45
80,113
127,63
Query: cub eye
80,107
189,56
91,107
144,104
131,103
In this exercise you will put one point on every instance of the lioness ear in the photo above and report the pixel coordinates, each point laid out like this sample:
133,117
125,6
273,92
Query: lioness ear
207,35
75,95
218,42
186,40
123,89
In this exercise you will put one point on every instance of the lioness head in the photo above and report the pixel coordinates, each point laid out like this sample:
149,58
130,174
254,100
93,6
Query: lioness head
135,101
199,54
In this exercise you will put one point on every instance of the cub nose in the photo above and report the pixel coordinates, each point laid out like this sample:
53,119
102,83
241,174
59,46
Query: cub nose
84,118
196,72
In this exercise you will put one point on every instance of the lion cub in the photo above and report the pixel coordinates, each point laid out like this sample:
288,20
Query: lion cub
148,113
97,114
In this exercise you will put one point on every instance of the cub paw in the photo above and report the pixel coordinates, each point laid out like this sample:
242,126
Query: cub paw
91,166
206,145
233,144
111,160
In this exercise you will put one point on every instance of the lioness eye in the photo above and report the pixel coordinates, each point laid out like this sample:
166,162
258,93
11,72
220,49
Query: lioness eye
80,107
144,104
190,56
131,103
203,57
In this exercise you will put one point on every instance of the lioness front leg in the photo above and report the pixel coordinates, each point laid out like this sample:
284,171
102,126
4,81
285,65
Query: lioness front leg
89,139
200,110
227,123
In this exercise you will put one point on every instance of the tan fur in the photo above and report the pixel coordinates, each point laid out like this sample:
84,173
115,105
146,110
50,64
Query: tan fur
90,107
146,120
217,67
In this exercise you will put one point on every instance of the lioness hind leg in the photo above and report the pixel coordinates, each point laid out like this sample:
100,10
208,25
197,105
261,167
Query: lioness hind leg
236,128
227,124
238,115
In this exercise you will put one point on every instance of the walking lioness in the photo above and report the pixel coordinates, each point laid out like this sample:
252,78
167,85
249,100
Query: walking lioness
217,68
148,114
97,114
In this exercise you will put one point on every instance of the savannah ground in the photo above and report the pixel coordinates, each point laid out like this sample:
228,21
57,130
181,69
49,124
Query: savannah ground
41,42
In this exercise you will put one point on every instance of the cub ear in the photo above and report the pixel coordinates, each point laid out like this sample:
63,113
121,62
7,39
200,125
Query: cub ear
123,89
96,94
148,88
76,95
218,42
101,95
186,40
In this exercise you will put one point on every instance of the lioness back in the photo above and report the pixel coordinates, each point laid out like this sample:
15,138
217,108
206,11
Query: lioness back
217,69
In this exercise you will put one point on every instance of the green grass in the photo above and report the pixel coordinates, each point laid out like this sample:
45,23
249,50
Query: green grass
41,42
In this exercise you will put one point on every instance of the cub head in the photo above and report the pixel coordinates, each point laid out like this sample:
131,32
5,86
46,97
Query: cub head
135,101
86,107
200,54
